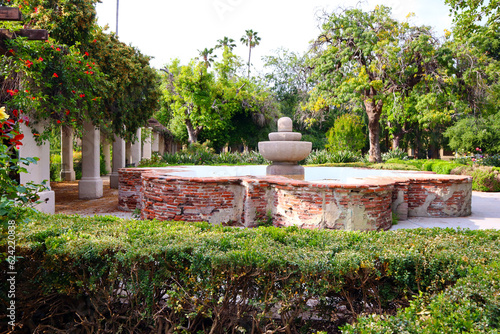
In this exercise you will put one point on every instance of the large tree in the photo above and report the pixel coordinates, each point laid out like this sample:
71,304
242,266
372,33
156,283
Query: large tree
365,57
216,105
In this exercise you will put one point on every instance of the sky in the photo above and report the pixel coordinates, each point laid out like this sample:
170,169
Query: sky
167,29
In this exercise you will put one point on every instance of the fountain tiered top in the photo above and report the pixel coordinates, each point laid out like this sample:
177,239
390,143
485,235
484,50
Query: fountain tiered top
285,148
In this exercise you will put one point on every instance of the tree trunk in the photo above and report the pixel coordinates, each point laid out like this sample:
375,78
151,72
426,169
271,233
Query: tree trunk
249,55
396,139
374,110
192,132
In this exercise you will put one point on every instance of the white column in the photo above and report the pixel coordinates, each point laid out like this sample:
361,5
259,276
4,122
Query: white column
67,170
135,149
147,147
90,186
118,161
155,146
106,151
39,172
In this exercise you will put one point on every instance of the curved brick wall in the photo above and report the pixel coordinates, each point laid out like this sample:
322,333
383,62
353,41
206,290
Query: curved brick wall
244,201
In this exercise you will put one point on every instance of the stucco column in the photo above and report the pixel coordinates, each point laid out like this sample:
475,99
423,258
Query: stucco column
135,149
90,186
39,172
118,161
155,145
67,170
147,147
106,151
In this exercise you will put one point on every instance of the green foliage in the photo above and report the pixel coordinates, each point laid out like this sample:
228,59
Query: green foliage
471,306
347,134
137,273
363,58
440,166
470,133
81,74
16,200
395,154
199,104
319,157
55,167
485,179
202,155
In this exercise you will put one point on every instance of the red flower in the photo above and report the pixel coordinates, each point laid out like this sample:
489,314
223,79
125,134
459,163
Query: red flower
58,49
82,95
58,122
40,59
67,112
86,53
55,75
95,40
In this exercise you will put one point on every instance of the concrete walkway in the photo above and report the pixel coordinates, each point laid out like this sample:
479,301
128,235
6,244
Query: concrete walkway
485,215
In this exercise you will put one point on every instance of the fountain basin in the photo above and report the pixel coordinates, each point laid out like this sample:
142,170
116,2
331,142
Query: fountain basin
328,198
285,151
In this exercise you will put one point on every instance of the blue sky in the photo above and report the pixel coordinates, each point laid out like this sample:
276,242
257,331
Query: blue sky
167,29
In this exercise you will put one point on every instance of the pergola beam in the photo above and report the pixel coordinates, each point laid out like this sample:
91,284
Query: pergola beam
10,14
31,34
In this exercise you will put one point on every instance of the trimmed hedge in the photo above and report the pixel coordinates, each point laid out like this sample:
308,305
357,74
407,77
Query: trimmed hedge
471,306
107,275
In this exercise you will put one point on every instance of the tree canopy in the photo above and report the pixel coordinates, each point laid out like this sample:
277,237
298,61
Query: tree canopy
214,103
363,58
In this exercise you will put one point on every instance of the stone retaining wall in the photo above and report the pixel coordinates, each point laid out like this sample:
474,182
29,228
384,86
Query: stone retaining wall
245,201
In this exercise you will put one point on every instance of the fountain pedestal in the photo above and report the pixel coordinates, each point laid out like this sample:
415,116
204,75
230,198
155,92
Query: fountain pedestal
285,150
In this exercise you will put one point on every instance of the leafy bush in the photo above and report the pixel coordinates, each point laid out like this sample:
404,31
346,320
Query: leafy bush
105,275
318,157
485,179
346,135
155,161
471,306
55,167
470,133
395,154
16,200
325,157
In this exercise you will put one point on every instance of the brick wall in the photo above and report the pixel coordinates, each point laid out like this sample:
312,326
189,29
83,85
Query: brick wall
246,201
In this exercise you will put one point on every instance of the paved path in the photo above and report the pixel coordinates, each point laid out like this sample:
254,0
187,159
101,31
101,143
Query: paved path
485,215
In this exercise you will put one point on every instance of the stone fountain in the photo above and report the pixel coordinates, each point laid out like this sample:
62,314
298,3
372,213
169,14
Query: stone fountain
285,150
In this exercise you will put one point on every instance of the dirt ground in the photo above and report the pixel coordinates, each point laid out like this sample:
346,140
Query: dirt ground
67,200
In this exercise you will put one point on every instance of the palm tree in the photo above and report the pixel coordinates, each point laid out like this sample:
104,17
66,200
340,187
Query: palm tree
251,40
207,57
226,42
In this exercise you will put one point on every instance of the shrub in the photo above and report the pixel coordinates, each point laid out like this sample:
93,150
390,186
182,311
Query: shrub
102,274
55,167
346,135
485,179
471,306
318,157
395,154
155,161
470,133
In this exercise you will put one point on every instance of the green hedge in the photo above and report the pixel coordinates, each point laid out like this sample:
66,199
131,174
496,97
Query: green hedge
107,275
471,306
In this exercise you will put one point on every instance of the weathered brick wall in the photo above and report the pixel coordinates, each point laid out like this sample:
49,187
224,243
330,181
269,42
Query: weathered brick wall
193,199
440,196
129,188
400,199
245,201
